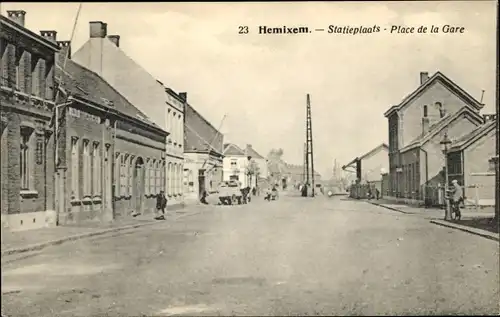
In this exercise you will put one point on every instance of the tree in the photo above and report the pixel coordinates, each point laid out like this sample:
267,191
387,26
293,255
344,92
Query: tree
252,170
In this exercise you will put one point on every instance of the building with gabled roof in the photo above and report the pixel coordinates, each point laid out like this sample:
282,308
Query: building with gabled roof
102,54
244,165
370,166
417,125
468,163
110,155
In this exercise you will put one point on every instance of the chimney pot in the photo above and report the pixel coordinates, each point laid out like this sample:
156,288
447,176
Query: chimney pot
183,95
64,51
49,35
17,16
115,39
98,29
424,76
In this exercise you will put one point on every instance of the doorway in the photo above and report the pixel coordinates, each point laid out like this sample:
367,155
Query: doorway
138,185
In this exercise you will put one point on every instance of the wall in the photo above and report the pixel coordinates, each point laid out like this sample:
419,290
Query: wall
136,146
84,123
413,112
125,75
476,158
372,165
436,160
175,147
228,170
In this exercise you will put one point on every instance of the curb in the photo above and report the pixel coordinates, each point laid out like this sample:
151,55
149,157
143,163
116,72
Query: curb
43,245
477,232
390,208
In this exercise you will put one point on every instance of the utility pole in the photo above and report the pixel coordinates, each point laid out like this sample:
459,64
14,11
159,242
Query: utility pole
309,145
304,172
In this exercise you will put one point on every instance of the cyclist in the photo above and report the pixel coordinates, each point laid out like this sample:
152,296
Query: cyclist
456,198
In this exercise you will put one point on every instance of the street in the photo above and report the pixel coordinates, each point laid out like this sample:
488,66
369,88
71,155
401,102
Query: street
294,256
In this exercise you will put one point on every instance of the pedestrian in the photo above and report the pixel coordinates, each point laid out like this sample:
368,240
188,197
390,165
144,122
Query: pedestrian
161,204
377,192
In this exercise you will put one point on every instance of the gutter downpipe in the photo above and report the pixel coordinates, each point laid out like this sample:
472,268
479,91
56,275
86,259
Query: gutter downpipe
426,174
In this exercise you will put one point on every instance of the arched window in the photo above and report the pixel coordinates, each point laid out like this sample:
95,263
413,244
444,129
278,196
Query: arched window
147,170
425,111
117,179
179,177
157,177
440,107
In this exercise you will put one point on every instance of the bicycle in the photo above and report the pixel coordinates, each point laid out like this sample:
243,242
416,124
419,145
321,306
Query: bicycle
455,211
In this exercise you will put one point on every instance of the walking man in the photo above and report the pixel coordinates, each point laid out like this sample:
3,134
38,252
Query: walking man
161,205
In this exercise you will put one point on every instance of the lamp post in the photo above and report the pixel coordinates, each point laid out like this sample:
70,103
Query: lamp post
445,142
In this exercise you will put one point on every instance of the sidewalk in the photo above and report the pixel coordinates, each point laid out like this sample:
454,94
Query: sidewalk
474,222
37,239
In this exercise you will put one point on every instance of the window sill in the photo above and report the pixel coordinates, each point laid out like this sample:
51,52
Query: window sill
26,193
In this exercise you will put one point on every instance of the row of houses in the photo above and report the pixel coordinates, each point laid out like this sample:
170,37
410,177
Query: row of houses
91,135
437,126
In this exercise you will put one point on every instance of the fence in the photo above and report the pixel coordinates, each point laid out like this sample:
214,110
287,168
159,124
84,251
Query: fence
480,193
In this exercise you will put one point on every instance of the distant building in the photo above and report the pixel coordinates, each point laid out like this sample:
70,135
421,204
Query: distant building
369,166
417,125
237,163
26,112
468,164
203,154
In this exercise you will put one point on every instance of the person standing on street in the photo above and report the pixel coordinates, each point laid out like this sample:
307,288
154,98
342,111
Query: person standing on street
161,204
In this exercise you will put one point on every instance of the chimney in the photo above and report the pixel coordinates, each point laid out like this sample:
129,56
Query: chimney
49,35
64,51
115,39
425,125
424,76
17,16
98,29
183,96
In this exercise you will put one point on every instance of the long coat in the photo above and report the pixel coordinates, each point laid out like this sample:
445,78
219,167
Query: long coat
457,193
161,202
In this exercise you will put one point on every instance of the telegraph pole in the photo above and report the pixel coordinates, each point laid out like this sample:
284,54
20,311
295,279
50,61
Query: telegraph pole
309,145
304,172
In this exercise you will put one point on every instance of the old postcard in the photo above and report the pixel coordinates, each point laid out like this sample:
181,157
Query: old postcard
249,158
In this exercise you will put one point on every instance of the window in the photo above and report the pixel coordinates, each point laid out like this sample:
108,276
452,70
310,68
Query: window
130,174
162,176
123,174
169,125
174,173
157,178
117,180
174,128
26,159
425,111
147,173
441,109
234,163
149,177
96,169
75,180
87,176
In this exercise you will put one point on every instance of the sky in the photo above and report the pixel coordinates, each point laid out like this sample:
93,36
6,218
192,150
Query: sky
260,81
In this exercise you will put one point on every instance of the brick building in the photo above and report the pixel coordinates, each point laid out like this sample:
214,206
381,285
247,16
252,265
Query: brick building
27,142
203,148
417,125
111,156
102,54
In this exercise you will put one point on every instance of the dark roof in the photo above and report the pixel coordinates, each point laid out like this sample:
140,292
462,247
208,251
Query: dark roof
233,150
367,154
82,82
251,152
451,85
472,136
440,125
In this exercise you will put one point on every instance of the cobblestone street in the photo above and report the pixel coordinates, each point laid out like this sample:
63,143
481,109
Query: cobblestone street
295,256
